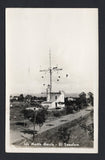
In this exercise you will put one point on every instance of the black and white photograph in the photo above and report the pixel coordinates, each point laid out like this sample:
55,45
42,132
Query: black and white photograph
51,80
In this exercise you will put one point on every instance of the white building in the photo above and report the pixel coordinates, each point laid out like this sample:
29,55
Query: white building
54,100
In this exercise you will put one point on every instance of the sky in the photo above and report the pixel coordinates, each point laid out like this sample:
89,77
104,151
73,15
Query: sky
72,37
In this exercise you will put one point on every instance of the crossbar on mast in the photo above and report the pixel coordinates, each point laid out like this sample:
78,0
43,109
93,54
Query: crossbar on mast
50,70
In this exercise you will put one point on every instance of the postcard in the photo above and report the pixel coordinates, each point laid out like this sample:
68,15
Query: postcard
51,80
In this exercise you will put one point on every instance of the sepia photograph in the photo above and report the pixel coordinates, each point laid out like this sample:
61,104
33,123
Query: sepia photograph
51,80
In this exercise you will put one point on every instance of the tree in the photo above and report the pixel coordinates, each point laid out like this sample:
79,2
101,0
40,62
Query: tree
82,98
40,115
21,98
91,98
36,117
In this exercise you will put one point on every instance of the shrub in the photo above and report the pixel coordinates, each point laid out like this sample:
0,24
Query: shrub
64,134
57,114
69,109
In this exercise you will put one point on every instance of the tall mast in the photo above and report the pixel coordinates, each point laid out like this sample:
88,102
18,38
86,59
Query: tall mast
50,70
